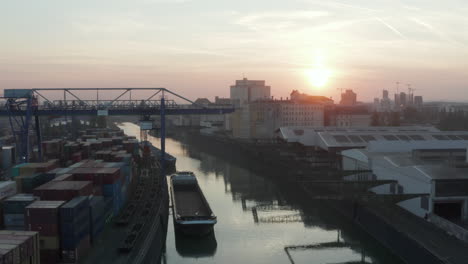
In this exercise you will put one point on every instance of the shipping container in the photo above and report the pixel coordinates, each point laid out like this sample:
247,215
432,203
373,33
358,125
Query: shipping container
98,176
17,203
26,169
7,188
26,184
14,210
76,254
13,221
64,177
15,171
43,212
27,241
73,209
63,190
12,252
98,216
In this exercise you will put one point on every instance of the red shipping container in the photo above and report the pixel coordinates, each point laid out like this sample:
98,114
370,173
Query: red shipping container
76,157
97,175
63,190
44,229
64,177
43,212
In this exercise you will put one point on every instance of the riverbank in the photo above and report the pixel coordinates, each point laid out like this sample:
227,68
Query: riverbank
407,236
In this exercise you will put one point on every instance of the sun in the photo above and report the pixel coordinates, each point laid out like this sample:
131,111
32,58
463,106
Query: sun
318,76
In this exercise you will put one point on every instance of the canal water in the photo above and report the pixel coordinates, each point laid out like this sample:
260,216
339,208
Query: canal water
261,220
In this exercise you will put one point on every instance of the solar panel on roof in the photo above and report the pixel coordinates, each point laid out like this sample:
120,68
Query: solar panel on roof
355,139
440,137
403,137
416,137
367,138
341,139
390,137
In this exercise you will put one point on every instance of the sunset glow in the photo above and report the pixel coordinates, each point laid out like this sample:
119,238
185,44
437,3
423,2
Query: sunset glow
318,77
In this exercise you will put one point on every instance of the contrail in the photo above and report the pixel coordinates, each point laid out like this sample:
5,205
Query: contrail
435,31
390,27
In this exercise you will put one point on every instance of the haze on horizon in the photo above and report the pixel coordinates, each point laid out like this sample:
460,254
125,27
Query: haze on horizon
199,47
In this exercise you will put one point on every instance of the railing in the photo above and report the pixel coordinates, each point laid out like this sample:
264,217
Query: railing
450,227
114,104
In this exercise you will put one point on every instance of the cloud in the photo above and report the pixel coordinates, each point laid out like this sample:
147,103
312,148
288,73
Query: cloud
277,20
114,24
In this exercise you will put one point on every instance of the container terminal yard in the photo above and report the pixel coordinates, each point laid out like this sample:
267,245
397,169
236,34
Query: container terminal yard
103,186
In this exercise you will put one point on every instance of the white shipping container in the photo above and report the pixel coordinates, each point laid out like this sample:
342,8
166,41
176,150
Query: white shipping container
7,188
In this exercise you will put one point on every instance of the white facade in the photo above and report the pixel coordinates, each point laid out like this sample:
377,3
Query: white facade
301,114
249,90
414,176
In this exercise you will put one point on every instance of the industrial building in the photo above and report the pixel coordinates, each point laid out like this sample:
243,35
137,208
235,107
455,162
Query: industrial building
246,91
335,139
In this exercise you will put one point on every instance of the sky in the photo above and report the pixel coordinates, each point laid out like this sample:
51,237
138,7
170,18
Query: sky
198,48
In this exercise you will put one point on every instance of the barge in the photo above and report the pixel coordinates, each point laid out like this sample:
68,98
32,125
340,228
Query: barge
170,160
190,209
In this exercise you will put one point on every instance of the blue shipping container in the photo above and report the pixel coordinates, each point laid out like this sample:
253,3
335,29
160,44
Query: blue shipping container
17,203
111,190
13,220
72,210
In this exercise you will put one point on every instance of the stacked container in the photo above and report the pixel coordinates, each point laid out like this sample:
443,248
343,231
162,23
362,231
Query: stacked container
14,209
7,188
43,217
96,216
27,183
76,157
19,247
64,177
63,190
26,169
53,148
75,229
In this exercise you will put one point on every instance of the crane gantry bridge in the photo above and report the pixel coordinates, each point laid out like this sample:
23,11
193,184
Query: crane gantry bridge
21,106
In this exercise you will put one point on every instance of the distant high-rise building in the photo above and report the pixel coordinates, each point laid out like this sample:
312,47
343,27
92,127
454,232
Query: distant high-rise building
397,100
376,106
249,90
403,99
385,94
348,98
418,101
385,103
